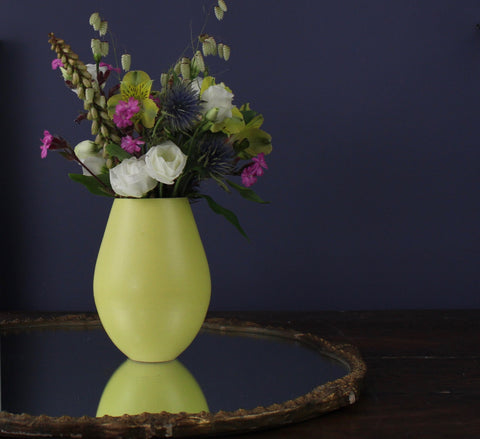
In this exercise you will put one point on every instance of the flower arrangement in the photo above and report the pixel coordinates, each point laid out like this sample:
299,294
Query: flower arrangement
160,138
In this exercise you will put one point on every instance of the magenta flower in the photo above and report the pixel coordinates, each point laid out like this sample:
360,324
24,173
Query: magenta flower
46,143
131,145
256,169
56,63
124,111
110,67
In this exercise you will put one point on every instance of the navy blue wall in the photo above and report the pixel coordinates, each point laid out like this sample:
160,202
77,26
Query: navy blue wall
373,182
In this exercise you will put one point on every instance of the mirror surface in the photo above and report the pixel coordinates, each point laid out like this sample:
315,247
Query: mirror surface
79,372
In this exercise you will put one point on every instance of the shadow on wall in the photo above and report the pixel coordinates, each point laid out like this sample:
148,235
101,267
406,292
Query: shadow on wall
13,244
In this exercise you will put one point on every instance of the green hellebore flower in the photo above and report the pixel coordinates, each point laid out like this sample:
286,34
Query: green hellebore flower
136,84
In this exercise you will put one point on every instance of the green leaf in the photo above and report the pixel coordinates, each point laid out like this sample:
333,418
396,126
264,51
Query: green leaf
117,151
259,141
247,193
229,215
92,184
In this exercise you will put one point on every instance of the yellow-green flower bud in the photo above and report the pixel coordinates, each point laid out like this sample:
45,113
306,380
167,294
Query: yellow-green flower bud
164,79
176,69
126,61
81,91
104,48
100,101
94,129
96,47
226,52
89,95
102,29
185,68
75,79
198,61
212,114
209,46
93,112
95,20
222,5
104,130
218,13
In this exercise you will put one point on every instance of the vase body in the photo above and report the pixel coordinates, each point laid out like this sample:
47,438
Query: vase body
152,281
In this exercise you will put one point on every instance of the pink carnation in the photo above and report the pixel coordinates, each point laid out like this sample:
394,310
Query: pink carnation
110,67
124,112
46,143
56,63
131,145
256,169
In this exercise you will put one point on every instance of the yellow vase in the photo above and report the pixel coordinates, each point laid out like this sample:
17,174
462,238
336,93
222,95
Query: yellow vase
152,281
136,388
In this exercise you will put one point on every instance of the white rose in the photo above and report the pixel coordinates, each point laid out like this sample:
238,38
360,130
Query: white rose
88,153
130,179
165,162
217,98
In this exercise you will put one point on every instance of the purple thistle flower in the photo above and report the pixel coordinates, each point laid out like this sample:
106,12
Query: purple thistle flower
181,107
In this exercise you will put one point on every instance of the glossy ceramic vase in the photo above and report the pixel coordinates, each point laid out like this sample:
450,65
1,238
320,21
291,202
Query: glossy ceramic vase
152,281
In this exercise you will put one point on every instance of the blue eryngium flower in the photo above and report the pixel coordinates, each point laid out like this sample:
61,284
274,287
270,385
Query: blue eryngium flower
181,107
216,156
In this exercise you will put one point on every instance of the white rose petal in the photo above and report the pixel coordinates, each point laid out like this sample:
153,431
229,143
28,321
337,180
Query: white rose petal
88,153
218,97
130,179
196,85
95,164
165,162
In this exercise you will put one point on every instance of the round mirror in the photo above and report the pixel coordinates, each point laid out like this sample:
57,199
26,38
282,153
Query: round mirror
61,374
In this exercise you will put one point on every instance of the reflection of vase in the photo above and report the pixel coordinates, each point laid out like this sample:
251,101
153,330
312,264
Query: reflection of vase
151,282
136,388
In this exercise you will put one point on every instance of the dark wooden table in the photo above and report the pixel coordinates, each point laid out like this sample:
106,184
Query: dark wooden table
423,378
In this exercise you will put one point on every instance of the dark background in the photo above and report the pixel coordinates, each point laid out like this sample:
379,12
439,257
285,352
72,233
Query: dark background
374,111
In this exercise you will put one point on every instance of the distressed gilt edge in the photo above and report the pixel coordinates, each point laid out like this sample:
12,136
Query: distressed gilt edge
322,399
